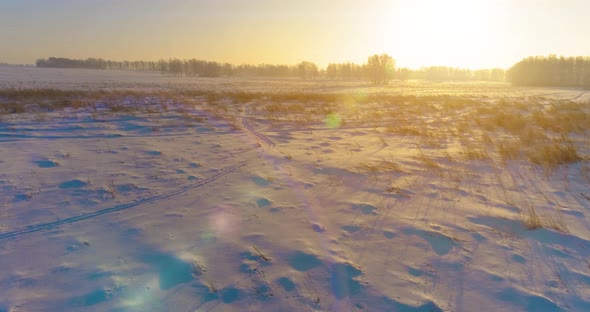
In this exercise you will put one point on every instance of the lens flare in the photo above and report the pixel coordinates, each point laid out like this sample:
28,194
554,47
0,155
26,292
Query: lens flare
333,121
223,223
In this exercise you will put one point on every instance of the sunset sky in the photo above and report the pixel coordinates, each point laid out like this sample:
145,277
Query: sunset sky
462,33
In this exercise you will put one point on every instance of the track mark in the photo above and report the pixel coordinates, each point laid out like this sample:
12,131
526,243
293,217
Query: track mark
260,136
578,96
44,226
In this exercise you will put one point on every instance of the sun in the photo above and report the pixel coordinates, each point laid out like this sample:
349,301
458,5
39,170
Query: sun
443,32
451,15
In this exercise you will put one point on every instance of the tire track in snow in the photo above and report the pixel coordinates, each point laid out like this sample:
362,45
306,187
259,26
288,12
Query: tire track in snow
13,137
44,226
578,96
260,136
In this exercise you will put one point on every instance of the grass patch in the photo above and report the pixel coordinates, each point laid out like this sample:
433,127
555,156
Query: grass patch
509,150
559,152
404,130
471,152
384,166
12,108
531,219
428,161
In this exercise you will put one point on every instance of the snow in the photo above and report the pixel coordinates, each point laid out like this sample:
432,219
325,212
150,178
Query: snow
152,210
90,79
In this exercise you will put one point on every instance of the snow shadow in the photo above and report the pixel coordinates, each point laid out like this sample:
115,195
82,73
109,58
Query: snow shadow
171,270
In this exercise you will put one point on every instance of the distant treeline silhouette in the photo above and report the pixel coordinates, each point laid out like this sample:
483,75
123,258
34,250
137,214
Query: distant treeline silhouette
177,67
15,65
444,73
379,69
551,71
351,71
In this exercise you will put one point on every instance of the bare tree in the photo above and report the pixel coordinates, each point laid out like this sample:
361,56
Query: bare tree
307,70
380,68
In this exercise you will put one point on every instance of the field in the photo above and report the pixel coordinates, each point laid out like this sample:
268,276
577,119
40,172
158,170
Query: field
124,191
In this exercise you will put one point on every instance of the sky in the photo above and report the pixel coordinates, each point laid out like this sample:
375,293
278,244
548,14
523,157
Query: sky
459,33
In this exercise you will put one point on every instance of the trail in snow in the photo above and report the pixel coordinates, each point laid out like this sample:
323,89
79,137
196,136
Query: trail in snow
260,136
578,96
44,226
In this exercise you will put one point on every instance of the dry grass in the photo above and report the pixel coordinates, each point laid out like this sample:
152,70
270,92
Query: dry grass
509,149
530,137
428,161
211,285
564,117
475,153
525,127
260,254
187,116
12,108
558,152
514,122
531,219
404,130
115,108
383,166
500,118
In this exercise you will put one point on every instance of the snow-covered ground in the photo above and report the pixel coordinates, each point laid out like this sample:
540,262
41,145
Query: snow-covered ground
188,205
88,79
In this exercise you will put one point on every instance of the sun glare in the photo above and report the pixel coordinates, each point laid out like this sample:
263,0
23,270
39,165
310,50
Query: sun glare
437,32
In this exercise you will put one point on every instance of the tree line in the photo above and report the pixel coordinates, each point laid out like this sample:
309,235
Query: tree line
379,69
444,73
551,71
186,68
